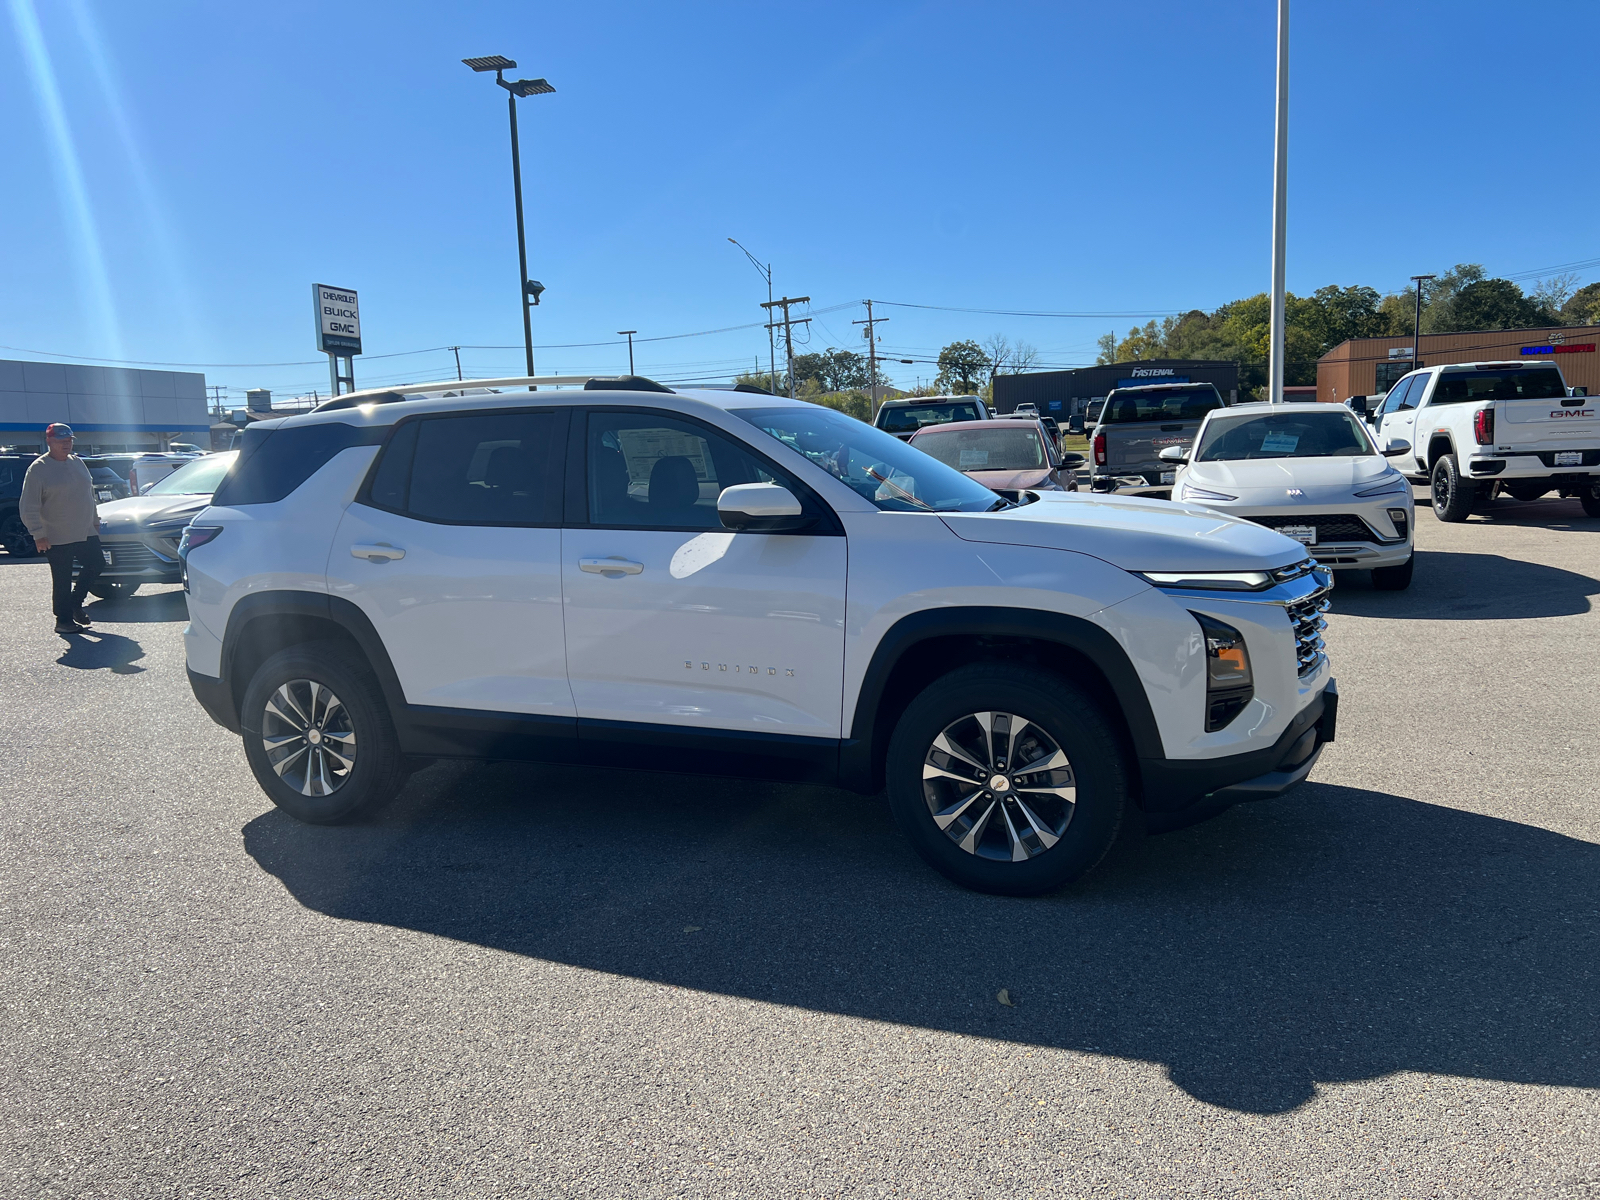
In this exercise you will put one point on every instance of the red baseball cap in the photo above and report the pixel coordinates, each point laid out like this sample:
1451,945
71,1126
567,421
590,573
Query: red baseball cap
58,430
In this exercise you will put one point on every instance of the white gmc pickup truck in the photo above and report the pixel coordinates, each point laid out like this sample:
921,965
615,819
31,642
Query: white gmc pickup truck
1471,426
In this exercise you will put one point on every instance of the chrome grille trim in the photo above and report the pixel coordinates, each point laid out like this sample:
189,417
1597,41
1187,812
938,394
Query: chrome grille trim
1305,615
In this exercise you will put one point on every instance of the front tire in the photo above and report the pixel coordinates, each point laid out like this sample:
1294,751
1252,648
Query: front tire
113,589
1453,497
1393,579
1007,779
318,734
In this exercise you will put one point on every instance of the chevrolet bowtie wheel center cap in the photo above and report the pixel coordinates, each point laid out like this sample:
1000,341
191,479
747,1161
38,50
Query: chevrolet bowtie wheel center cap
1000,784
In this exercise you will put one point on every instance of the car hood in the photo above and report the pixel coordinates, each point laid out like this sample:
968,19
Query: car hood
1261,479
1012,480
137,511
1133,533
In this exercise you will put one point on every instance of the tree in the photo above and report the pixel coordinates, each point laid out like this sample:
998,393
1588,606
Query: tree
1553,292
1007,358
1439,296
1584,306
1106,343
962,367
1490,304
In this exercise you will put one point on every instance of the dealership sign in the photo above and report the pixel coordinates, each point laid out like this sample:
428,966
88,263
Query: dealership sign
338,319
1564,348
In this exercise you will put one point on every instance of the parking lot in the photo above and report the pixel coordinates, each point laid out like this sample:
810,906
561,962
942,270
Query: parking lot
543,981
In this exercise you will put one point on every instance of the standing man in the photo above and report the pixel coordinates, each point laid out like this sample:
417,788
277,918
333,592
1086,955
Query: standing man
59,508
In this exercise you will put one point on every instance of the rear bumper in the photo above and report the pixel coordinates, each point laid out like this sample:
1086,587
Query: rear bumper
1536,465
1179,792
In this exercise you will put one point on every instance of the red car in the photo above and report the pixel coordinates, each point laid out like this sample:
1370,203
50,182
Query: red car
1008,456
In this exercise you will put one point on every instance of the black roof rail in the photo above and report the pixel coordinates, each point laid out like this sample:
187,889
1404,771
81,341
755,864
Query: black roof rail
626,383
750,387
354,401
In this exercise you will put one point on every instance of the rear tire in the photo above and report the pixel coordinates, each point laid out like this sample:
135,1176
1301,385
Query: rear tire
112,589
1393,579
1591,503
1031,833
1453,497
353,761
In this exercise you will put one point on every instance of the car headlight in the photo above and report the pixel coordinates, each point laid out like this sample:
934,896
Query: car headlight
1387,487
1190,492
1223,581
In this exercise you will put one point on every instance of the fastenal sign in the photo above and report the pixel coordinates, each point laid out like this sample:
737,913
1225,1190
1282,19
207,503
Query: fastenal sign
338,316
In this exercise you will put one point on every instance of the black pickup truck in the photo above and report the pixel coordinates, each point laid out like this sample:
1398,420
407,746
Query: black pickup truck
1136,424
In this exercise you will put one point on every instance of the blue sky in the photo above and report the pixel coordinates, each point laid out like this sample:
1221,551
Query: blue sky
177,175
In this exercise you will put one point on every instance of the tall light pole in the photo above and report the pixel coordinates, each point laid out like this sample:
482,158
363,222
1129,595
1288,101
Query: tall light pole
772,341
530,289
630,333
1416,325
1280,209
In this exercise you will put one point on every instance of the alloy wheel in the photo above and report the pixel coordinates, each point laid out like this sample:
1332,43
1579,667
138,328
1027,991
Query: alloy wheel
1441,488
999,786
308,736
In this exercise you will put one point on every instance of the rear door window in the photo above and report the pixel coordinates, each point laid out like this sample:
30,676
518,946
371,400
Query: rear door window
475,469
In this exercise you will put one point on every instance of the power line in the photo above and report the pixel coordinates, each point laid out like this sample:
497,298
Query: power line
1012,312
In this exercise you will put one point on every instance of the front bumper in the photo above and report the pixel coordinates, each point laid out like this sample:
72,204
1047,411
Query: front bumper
1179,792
139,560
216,698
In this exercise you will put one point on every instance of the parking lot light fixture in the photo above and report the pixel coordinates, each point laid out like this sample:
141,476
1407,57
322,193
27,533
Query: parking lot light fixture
629,334
529,289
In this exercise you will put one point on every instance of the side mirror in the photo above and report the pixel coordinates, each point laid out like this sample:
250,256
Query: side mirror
1174,454
1073,459
1580,391
1398,446
1358,404
761,508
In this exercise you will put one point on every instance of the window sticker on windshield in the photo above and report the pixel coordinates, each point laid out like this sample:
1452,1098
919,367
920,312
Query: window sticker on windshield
1280,443
974,458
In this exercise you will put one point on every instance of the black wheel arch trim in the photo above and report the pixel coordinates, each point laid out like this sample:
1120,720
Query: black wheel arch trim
861,754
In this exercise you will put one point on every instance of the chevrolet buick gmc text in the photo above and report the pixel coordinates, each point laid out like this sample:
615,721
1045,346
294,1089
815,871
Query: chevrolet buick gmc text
733,584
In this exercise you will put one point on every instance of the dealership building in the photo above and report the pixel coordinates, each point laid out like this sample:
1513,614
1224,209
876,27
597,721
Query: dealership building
1063,394
111,409
1370,366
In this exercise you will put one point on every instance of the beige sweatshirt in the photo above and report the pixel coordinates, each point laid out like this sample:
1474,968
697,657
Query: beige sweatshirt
58,502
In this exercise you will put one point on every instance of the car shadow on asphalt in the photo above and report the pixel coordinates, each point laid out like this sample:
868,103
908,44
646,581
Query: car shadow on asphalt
169,605
1469,587
96,650
1551,512
1334,934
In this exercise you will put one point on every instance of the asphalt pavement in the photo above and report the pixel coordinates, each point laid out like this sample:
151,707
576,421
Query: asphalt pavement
526,981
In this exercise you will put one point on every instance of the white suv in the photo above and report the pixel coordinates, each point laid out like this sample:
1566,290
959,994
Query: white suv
733,584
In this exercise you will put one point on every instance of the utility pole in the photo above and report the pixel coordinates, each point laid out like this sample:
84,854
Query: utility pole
216,390
788,331
1280,210
1416,325
630,333
456,350
872,354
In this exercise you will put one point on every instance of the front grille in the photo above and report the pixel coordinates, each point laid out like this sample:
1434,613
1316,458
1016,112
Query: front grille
1331,527
1309,623
131,556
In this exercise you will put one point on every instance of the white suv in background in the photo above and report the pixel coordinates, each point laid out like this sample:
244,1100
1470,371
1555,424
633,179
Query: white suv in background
724,583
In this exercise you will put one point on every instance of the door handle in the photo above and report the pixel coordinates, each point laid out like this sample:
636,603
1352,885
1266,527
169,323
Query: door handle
615,565
381,552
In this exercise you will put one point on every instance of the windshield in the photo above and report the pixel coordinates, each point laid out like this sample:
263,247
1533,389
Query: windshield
1283,435
890,473
985,449
912,418
199,478
1458,387
1167,404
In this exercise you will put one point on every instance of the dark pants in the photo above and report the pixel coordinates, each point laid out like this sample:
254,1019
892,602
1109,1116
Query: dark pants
66,597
